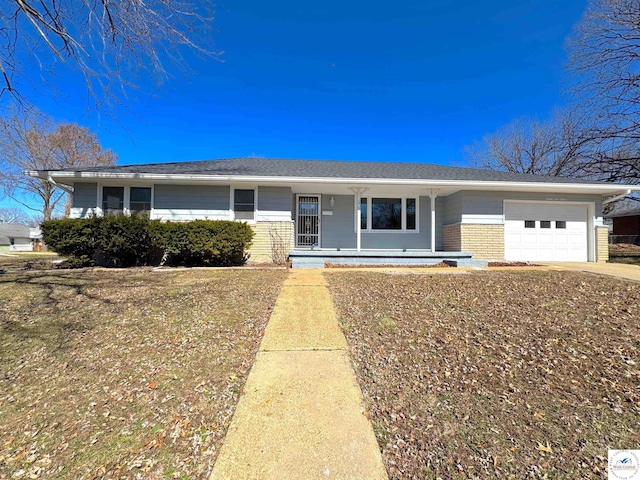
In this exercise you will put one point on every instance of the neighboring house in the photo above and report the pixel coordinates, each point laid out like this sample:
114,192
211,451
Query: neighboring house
15,237
355,212
625,226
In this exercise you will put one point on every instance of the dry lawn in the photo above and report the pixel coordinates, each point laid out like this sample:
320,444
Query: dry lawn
21,262
624,253
125,374
508,375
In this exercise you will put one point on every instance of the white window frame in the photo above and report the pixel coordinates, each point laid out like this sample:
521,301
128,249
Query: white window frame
232,203
126,204
403,200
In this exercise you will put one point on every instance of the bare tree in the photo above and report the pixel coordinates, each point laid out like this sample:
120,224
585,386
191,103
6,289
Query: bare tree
555,148
13,215
107,42
34,142
605,58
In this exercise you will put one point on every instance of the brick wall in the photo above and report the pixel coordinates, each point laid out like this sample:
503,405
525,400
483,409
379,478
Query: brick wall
602,244
271,240
485,241
451,241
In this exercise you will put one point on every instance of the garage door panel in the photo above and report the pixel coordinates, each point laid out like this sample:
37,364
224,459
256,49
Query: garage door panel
563,239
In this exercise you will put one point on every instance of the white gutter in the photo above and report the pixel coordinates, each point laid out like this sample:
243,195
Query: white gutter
617,197
351,181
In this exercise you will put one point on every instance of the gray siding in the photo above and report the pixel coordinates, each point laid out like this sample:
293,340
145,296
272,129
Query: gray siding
191,197
488,207
275,199
85,195
338,229
448,210
85,199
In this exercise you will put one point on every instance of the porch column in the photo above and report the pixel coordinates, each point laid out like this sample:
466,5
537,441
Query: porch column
432,195
358,195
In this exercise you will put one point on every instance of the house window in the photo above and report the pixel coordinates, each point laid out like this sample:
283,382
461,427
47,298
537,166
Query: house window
126,200
386,213
244,204
140,201
561,224
529,224
411,214
363,213
545,223
112,200
389,214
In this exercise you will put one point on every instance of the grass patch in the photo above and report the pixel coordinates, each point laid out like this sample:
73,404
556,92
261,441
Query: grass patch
628,259
522,375
124,374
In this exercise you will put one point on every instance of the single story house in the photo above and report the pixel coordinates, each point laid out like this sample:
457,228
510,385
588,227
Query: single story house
15,237
625,226
362,212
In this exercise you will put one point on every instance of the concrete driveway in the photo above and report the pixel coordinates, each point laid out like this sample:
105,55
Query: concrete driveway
621,270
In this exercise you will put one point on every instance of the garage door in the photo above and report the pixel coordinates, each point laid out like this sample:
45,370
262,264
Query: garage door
542,231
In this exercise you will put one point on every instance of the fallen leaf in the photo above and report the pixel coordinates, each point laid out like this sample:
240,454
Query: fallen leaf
153,385
544,448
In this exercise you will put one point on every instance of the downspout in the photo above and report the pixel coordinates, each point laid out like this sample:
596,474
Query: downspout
616,198
56,184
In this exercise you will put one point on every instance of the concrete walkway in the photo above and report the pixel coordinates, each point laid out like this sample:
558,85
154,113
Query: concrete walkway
300,415
621,270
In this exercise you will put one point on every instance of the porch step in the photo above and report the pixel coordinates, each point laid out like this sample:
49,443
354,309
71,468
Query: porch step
465,262
318,258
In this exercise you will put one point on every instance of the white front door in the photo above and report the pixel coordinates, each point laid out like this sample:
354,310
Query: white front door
545,232
308,221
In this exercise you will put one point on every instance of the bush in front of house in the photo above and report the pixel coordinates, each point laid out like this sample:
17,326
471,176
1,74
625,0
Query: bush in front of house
125,241
76,239
216,243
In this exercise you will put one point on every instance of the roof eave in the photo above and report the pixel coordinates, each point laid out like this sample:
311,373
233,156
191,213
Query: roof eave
603,189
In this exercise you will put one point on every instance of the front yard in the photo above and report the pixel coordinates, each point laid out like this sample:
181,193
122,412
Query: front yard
124,374
495,374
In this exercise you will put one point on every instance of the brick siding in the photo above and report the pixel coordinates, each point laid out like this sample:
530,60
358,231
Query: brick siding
602,244
271,239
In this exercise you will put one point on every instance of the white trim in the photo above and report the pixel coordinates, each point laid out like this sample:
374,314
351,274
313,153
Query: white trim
126,201
499,185
232,201
591,220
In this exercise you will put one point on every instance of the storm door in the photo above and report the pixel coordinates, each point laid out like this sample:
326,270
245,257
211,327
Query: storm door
308,221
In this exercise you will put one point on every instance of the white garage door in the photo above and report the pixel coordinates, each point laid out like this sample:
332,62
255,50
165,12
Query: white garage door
542,231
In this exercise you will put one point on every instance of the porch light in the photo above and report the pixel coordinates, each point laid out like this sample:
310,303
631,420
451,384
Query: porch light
332,202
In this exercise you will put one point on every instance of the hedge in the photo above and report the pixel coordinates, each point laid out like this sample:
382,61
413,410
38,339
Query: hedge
125,241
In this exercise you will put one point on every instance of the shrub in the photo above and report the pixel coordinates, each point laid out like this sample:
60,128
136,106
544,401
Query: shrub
203,242
70,237
124,241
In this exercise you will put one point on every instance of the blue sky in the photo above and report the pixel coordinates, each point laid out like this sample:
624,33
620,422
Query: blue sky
356,80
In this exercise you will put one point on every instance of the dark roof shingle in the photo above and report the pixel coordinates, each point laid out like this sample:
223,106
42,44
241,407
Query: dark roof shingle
276,167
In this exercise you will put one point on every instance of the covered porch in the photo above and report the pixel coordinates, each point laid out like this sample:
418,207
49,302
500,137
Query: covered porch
373,225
